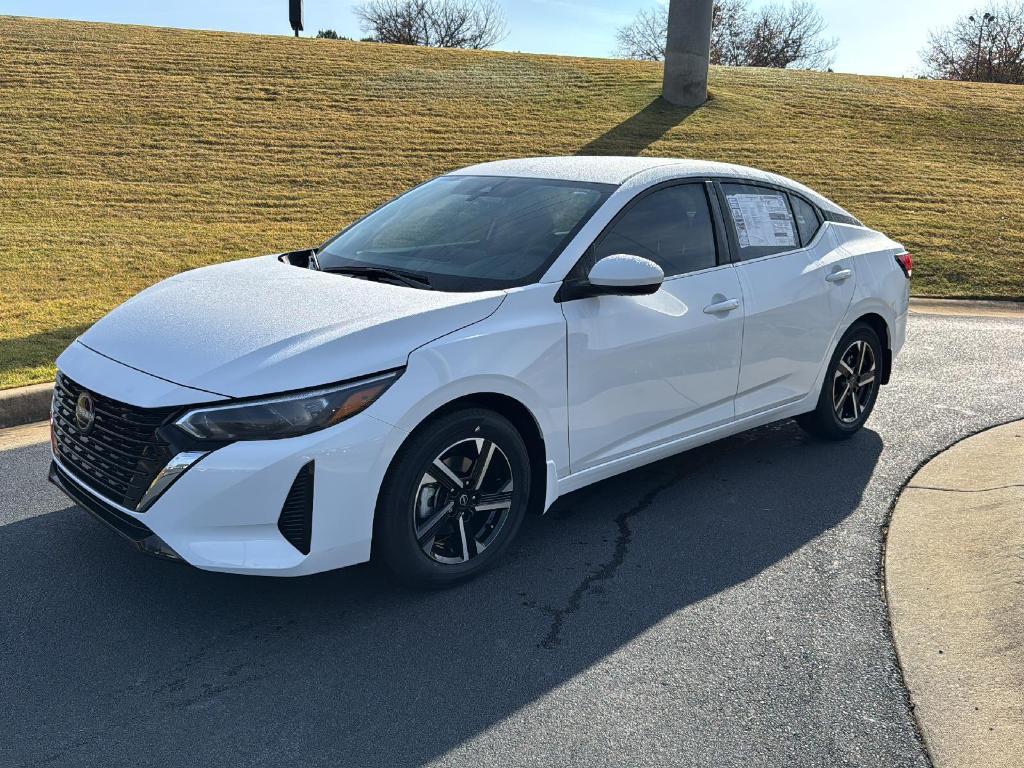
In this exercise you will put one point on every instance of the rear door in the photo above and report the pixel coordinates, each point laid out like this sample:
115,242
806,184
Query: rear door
644,370
797,285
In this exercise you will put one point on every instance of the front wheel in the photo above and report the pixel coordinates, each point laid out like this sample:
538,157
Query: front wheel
850,388
454,499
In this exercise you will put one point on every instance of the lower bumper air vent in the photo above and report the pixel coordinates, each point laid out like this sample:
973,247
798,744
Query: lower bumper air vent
124,524
296,520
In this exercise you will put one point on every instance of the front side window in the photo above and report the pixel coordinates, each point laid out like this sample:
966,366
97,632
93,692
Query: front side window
469,233
762,220
671,227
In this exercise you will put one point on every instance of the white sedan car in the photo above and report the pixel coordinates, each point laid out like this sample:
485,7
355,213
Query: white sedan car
474,349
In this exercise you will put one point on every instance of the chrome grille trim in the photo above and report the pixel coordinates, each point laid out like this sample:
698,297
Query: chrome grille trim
86,489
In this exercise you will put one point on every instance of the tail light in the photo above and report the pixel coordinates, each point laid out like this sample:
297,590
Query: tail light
906,263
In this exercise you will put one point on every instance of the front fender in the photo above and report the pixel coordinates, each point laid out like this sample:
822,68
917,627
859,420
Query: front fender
518,352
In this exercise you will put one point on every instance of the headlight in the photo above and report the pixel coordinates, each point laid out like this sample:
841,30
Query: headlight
285,415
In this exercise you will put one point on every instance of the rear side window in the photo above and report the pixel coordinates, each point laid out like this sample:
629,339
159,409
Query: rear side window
807,221
671,227
762,220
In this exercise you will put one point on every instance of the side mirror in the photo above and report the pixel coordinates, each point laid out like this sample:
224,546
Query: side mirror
618,275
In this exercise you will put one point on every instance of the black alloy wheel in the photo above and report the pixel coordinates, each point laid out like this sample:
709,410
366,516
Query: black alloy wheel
463,500
850,388
453,499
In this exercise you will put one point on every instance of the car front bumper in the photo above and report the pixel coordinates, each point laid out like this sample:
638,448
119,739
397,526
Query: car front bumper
222,513
109,514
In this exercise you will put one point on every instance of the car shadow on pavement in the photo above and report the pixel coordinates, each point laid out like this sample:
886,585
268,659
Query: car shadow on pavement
634,135
106,650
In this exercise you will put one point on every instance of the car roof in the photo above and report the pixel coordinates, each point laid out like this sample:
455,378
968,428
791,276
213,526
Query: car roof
603,170
619,170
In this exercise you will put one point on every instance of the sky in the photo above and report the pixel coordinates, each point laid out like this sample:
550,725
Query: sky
876,37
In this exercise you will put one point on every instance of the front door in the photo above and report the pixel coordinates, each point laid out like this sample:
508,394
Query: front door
644,370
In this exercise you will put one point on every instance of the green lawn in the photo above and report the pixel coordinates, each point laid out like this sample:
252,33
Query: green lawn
130,153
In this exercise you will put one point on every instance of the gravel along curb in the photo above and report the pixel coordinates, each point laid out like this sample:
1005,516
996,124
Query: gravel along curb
954,564
25,405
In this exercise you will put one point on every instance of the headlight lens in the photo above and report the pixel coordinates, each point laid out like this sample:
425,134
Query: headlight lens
286,415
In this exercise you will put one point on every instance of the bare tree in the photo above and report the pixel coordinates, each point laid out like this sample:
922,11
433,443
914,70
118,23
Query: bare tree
985,46
644,38
771,36
728,25
784,36
434,23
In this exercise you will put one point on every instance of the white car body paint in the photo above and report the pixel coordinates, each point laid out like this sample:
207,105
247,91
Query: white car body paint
646,369
127,384
254,324
791,315
611,382
625,271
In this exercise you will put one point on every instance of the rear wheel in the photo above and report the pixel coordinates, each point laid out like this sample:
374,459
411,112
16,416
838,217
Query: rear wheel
850,388
454,499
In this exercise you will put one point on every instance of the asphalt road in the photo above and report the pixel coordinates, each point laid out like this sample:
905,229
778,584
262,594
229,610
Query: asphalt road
722,608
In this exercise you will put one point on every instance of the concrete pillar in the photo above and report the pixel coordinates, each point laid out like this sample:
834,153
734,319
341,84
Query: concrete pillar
687,52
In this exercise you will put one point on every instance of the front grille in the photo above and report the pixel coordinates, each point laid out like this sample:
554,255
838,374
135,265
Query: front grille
120,454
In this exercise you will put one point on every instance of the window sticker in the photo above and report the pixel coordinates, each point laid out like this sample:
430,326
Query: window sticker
762,220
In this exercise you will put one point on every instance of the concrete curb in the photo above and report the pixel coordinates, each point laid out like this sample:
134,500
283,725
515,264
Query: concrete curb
963,307
25,405
26,434
954,560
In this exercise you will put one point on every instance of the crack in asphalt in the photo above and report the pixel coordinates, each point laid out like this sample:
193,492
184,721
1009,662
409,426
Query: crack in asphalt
624,536
967,490
605,571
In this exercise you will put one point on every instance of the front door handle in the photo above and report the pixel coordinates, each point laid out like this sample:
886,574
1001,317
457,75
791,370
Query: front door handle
839,275
722,306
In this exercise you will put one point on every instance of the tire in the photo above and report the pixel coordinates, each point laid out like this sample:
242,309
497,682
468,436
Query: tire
439,521
850,388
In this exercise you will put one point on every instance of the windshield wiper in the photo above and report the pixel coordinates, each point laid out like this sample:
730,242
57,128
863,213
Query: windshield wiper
411,279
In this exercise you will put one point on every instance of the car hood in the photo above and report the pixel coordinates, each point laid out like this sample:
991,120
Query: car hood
258,326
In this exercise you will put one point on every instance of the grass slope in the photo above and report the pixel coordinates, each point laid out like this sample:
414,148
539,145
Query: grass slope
130,153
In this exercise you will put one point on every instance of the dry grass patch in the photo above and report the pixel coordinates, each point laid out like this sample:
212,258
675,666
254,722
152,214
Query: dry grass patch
130,153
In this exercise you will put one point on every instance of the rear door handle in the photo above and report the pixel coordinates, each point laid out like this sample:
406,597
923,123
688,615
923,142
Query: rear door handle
839,275
722,306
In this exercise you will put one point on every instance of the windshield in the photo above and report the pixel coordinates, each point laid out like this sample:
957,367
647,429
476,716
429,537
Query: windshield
469,233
